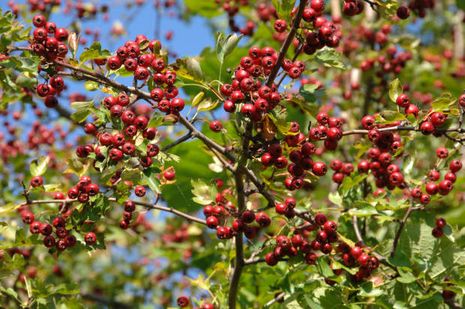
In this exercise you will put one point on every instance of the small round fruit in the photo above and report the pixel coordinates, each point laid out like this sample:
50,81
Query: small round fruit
90,238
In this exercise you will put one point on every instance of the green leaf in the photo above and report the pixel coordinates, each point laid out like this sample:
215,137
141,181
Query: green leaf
395,88
388,116
39,167
443,102
323,268
91,85
284,8
207,105
25,81
460,4
198,98
150,179
366,211
94,52
179,194
204,8
201,192
131,174
225,46
192,67
406,275
83,110
329,57
367,290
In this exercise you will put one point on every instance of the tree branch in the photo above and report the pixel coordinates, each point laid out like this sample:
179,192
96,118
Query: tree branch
400,229
287,43
239,246
105,301
142,204
180,140
239,179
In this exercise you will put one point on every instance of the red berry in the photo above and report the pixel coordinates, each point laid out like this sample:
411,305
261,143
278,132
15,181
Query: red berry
437,232
216,126
330,227
90,238
455,166
319,168
139,190
280,25
441,222
403,12
271,259
169,174
320,219
39,21
212,222
37,181
427,127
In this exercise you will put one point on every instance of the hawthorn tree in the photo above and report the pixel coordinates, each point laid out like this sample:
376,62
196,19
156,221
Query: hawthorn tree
310,159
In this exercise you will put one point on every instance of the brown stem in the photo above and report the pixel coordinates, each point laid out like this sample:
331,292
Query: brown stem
278,298
400,229
239,179
142,204
287,43
180,140
358,234
239,259
105,301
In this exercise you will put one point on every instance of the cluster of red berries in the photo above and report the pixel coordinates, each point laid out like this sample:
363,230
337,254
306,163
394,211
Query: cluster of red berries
300,157
141,57
265,12
232,8
324,33
380,163
357,256
325,236
341,170
122,143
38,135
65,238
421,6
48,39
83,190
217,216
48,42
328,129
130,207
50,90
393,62
443,187
247,87
35,5
176,234
432,124
353,7
41,135
438,230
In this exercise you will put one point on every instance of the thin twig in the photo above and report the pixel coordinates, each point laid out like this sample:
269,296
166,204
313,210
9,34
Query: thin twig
180,140
111,199
400,229
287,43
